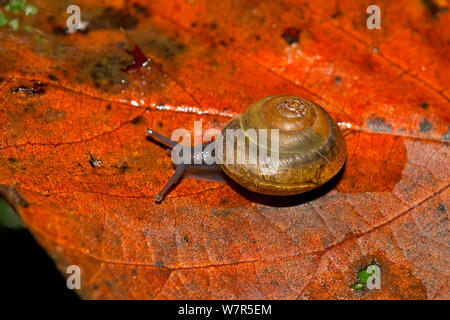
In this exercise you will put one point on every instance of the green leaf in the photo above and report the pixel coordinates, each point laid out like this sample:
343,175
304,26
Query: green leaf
357,286
3,20
8,218
363,275
30,10
28,29
14,24
15,6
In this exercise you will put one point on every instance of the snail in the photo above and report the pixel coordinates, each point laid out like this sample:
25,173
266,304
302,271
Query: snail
310,148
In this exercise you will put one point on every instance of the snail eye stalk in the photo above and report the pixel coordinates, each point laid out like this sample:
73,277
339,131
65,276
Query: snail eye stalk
163,139
172,181
178,171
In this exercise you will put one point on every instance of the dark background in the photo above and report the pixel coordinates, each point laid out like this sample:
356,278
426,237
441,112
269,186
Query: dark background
26,271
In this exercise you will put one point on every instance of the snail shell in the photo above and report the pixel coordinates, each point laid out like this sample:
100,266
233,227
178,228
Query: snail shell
311,147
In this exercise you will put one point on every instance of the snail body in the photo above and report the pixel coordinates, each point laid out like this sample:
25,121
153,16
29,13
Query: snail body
310,147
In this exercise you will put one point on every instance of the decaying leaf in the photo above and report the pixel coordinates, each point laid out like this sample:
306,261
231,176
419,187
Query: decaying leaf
73,135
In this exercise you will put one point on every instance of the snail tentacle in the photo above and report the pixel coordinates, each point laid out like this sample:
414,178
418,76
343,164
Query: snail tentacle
161,138
172,181
178,171
181,168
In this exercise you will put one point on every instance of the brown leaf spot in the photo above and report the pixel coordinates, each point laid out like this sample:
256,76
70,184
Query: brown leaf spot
162,46
111,18
441,208
379,125
424,105
105,70
291,35
137,120
446,135
52,77
434,8
425,126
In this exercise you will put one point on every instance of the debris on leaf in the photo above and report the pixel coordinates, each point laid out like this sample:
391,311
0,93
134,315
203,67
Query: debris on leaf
291,35
94,162
139,58
363,277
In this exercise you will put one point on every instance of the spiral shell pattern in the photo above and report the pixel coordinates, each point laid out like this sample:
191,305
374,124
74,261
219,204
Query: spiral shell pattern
311,148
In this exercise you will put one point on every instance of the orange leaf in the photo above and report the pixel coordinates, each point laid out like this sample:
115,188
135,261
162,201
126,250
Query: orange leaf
74,138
